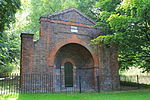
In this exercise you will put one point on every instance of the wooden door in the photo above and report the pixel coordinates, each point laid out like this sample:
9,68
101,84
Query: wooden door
68,68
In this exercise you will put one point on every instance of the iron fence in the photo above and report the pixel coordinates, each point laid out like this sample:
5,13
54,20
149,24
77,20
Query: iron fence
43,83
130,82
46,83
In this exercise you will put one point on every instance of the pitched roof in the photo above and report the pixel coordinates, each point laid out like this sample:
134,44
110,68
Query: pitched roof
66,11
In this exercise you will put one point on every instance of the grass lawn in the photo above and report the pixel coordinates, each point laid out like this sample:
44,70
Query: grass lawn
130,95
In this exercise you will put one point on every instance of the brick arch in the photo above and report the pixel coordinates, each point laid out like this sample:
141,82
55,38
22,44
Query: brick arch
72,39
68,60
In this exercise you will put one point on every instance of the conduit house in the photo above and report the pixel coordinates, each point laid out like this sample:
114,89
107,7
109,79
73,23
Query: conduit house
63,53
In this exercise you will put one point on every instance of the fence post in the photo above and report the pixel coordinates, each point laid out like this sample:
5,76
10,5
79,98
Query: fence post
80,84
120,82
98,87
138,82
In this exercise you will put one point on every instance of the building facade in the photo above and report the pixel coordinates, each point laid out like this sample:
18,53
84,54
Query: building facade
64,50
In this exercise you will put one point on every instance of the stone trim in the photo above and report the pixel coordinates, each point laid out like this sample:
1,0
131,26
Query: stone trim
63,76
74,76
68,60
66,23
26,35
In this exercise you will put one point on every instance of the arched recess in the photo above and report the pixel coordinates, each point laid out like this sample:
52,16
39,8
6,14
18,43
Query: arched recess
75,53
82,63
72,39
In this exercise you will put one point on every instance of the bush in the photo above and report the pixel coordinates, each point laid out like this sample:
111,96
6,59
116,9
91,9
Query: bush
6,69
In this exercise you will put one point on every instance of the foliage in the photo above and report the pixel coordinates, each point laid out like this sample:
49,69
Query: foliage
9,52
128,26
8,9
8,47
87,7
107,5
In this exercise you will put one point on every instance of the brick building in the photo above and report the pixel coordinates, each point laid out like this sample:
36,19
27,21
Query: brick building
64,50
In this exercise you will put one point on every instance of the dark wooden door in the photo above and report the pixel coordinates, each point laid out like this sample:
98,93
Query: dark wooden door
68,68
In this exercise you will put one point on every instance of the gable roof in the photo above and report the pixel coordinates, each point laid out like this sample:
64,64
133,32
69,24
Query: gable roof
50,16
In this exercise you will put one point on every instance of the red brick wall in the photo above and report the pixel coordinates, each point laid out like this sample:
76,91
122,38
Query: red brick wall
26,52
39,56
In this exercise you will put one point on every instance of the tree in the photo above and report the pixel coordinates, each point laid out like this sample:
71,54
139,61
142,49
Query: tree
8,9
128,26
107,5
87,7
8,52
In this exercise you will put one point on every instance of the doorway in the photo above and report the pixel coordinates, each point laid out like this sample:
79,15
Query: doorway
68,71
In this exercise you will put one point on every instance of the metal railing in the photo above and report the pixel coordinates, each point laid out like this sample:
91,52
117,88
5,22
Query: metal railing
135,81
46,83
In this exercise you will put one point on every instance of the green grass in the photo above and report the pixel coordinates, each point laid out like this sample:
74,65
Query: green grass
130,95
